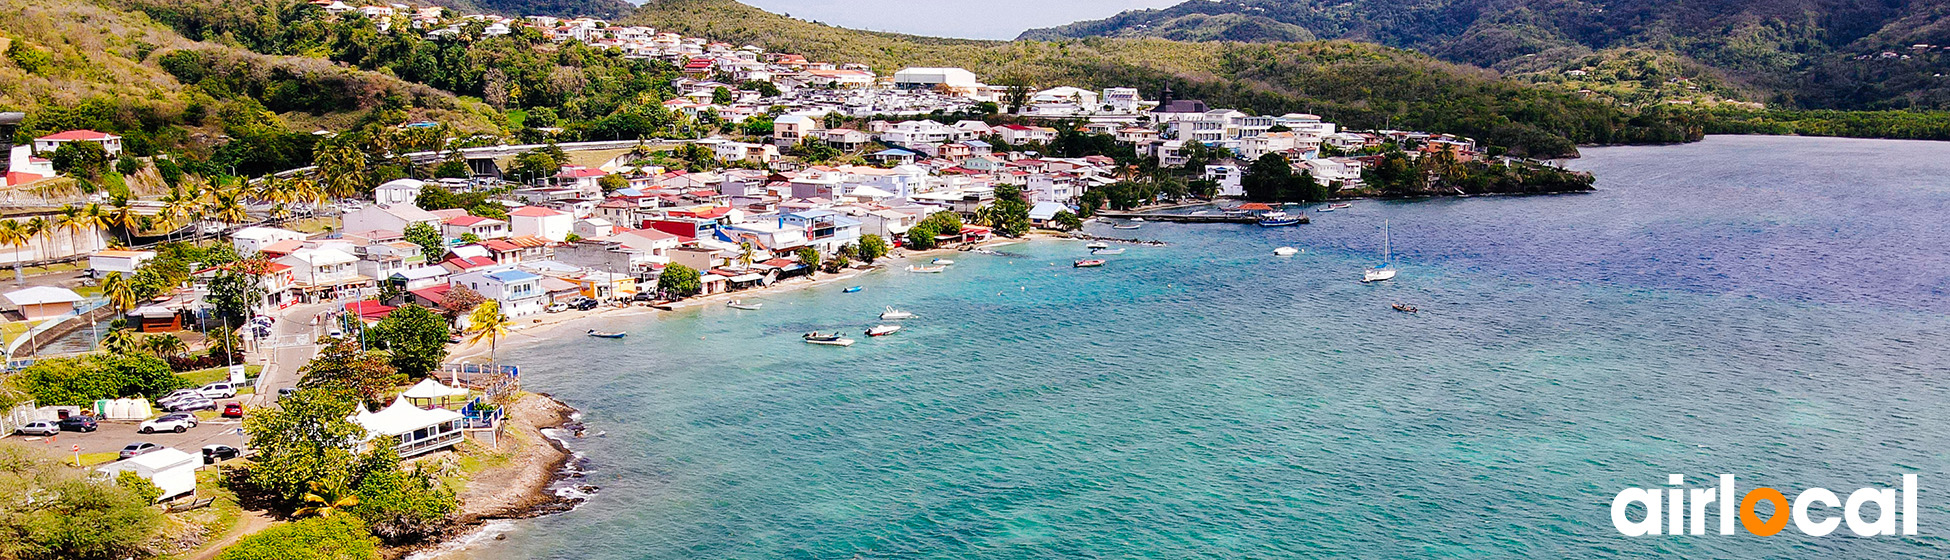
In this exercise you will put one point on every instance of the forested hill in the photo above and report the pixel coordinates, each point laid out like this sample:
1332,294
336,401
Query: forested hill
1804,53
1358,85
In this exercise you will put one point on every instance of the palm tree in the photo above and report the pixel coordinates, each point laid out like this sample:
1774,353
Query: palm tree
324,501
122,341
745,253
38,226
164,345
487,323
227,206
119,291
12,235
71,220
124,217
176,207
95,217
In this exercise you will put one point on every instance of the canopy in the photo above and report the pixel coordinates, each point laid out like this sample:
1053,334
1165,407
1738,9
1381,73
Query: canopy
402,418
869,192
430,389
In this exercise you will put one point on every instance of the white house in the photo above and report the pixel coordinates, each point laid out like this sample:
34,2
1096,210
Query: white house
169,469
388,217
484,228
250,240
321,270
125,262
519,292
45,145
418,430
383,260
398,191
918,132
924,78
536,221
1228,177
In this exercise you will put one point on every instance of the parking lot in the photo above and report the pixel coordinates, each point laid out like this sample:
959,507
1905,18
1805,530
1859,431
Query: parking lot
112,436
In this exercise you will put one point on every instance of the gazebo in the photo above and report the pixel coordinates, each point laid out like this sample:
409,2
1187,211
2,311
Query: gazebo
433,394
419,430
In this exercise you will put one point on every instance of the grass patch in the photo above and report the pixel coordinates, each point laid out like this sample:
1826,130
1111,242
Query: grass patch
92,459
211,522
207,376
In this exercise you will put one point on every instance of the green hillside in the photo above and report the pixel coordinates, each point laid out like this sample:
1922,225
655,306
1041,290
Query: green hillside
1794,53
1359,85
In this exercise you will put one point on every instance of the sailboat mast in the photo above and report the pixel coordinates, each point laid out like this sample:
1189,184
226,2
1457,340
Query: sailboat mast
1387,254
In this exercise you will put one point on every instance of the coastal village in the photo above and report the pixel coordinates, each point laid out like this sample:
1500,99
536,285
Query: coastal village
246,305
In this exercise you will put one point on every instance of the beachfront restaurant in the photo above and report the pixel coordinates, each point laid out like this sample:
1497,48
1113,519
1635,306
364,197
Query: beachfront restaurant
419,430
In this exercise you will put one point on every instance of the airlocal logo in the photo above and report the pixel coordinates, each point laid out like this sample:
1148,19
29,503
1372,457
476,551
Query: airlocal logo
1678,510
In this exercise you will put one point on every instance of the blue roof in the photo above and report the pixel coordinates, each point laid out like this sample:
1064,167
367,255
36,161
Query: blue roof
512,276
896,152
978,144
628,191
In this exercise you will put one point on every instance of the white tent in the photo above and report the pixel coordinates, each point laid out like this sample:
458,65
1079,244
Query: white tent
865,191
428,392
171,470
419,430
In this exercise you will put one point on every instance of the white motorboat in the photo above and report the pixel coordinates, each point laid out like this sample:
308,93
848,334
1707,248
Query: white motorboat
943,262
1286,251
834,339
912,268
1117,251
1097,245
892,314
1386,271
1126,226
883,330
741,304
1137,219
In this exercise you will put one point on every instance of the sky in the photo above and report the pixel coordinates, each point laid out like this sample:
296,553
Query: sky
970,19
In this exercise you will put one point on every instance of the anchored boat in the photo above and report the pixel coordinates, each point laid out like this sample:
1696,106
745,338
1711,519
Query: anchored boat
912,268
1117,251
605,334
740,304
1087,263
883,330
834,339
892,314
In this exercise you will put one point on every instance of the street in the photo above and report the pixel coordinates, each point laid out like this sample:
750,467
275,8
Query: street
114,435
296,338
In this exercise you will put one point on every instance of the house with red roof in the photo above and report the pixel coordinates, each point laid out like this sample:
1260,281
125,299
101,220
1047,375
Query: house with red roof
479,227
46,145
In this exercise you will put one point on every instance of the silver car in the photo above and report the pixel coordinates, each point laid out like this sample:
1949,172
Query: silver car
39,428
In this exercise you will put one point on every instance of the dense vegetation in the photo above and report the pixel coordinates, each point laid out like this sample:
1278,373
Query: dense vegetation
1799,53
1358,85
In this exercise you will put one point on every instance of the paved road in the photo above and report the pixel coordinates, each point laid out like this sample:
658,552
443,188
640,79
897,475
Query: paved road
282,364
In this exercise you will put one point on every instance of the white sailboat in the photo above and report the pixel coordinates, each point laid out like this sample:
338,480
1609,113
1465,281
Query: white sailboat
1387,270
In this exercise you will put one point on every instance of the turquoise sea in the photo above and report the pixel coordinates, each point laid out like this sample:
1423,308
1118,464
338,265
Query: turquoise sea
1773,308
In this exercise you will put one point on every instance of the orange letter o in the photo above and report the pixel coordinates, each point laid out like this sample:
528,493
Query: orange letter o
1751,520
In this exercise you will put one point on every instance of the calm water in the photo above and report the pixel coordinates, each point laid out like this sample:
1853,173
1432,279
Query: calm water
1769,307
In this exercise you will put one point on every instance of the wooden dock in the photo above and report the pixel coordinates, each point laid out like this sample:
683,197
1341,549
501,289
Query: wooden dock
1191,218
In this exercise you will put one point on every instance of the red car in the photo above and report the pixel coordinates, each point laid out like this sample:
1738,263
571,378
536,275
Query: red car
233,410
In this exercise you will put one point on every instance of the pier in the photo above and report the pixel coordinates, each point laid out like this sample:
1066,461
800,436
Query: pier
1192,218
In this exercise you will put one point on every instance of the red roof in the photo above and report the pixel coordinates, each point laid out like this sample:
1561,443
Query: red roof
465,221
21,178
370,310
83,134
433,294
500,245
534,211
1255,206
465,263
579,173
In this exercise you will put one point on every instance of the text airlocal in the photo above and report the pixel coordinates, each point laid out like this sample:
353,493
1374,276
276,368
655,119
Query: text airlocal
1682,511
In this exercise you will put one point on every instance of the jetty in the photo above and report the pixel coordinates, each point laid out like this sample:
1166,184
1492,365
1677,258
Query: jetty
1191,218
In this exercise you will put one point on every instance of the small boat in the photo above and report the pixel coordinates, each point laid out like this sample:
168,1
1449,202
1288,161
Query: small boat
883,330
912,268
834,339
1126,226
851,289
891,314
1386,271
1405,308
1087,263
1340,206
1286,251
1097,245
740,304
1117,251
606,334
1137,219
1327,208
943,262
1278,219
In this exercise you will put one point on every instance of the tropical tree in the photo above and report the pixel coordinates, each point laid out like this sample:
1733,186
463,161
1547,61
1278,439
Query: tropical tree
324,500
416,337
745,253
679,280
120,291
164,345
489,324
227,206
1067,220
38,227
95,217
872,246
122,341
122,214
810,257
13,236
72,220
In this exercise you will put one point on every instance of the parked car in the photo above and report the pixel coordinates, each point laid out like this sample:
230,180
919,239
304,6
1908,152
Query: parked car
39,428
191,405
78,424
140,448
185,416
212,454
179,394
233,410
218,390
286,392
643,296
556,307
171,423
583,303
